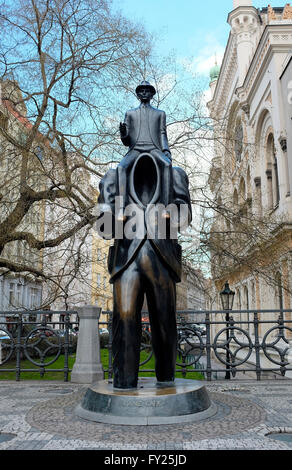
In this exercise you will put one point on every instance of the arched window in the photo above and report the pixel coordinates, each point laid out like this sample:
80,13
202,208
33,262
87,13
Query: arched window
272,174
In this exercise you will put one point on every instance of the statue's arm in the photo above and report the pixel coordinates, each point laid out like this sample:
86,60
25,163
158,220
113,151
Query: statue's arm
124,130
163,135
181,197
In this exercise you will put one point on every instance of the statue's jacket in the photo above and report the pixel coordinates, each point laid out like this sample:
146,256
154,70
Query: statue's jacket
156,125
124,250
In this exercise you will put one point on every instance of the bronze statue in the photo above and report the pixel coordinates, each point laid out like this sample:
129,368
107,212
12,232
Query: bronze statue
145,265
144,130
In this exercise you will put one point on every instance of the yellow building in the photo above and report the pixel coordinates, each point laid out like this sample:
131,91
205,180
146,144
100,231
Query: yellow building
101,291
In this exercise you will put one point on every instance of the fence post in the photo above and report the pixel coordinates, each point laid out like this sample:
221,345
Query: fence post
208,346
88,368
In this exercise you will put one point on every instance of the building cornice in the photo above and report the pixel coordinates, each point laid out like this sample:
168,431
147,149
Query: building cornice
275,38
227,73
241,10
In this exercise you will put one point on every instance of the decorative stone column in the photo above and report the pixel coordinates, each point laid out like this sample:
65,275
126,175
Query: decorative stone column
244,22
88,368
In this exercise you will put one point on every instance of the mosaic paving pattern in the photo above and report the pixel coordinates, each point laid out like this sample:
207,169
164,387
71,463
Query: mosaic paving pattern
234,415
40,416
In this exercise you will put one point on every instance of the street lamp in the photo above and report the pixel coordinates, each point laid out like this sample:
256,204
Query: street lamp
227,299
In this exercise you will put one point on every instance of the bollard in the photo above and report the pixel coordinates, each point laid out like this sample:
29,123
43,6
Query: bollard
88,368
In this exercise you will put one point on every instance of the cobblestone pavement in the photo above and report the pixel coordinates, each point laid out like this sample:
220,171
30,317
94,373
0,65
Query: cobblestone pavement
40,416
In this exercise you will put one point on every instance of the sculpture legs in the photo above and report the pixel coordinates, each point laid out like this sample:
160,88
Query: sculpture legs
161,302
128,301
145,275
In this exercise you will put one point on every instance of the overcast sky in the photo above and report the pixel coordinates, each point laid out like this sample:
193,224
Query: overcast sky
195,29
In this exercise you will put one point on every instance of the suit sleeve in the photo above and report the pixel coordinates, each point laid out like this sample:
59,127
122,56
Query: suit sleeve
126,139
163,132
181,197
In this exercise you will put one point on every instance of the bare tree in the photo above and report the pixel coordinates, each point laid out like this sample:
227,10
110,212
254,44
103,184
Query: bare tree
62,64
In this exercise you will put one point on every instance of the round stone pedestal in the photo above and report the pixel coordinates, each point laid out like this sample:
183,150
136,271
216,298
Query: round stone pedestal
187,401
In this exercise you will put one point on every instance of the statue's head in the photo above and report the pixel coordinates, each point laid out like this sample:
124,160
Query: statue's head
145,92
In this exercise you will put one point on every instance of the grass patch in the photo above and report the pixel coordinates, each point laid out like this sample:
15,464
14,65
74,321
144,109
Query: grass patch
59,364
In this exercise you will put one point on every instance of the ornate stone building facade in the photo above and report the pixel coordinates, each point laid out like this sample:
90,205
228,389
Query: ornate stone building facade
251,175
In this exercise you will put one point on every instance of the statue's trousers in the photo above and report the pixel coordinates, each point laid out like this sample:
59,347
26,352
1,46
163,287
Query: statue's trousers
146,275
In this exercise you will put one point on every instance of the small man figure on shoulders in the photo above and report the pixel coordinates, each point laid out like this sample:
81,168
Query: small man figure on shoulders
144,131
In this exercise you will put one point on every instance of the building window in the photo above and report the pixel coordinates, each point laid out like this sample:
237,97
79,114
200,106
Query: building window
11,294
62,321
98,281
18,295
34,298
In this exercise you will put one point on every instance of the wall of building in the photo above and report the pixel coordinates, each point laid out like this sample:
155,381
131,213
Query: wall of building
255,177
286,140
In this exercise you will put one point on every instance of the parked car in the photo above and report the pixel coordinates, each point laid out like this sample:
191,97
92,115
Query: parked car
201,329
103,331
61,333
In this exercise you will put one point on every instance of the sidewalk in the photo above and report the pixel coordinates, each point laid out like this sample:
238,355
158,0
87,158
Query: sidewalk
40,416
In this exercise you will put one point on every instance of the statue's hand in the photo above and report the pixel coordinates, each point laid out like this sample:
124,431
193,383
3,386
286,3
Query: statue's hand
167,154
123,129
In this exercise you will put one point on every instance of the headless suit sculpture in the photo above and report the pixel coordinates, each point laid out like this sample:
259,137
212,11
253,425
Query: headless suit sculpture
144,265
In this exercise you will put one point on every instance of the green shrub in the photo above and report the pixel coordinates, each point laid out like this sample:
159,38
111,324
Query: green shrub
104,340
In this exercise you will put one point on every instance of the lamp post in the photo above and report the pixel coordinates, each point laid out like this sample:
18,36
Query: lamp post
227,299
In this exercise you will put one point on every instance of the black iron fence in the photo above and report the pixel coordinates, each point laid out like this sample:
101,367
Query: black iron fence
36,339
214,344
221,344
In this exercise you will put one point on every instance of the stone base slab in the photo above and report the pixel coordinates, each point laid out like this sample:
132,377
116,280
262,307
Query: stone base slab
188,401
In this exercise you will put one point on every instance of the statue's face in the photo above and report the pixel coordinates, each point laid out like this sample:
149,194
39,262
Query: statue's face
145,95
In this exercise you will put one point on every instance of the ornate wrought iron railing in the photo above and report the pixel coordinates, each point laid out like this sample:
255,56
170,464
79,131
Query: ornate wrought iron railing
34,337
216,344
220,343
